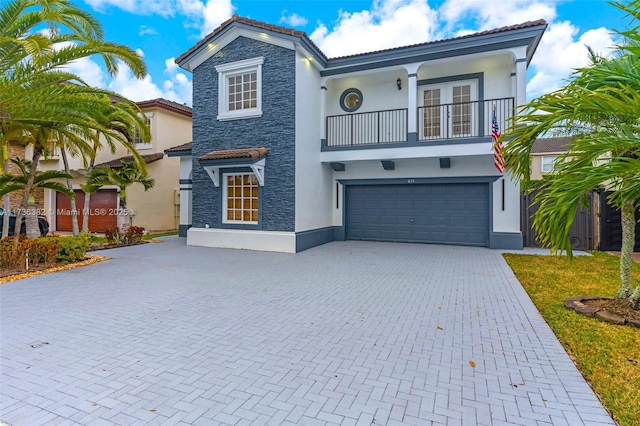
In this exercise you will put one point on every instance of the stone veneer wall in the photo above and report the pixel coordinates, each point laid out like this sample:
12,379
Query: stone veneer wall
16,150
275,130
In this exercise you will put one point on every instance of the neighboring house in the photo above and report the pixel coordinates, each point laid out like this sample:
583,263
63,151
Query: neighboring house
157,209
544,155
292,149
17,150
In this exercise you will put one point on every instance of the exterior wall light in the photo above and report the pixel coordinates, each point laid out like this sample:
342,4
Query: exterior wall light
399,84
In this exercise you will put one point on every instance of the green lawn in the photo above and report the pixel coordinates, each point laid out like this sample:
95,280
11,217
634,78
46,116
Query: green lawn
608,355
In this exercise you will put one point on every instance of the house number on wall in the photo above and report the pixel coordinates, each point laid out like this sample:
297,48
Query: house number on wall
411,181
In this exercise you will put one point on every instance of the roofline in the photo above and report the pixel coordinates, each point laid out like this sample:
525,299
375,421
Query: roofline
529,36
437,50
536,43
185,153
156,103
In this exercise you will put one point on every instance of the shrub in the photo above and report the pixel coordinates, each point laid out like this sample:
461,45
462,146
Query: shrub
73,249
112,235
133,235
12,257
44,250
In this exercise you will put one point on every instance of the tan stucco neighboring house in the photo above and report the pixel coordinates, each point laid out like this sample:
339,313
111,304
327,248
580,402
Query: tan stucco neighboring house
544,154
157,209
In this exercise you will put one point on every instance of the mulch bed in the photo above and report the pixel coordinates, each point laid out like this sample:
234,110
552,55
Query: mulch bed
8,275
607,309
96,247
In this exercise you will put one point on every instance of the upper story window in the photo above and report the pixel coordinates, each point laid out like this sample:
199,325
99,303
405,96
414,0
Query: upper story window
137,139
351,100
548,163
240,89
51,151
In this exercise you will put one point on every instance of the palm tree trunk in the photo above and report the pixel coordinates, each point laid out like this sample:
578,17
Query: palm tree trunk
87,196
24,203
122,221
74,211
7,207
628,240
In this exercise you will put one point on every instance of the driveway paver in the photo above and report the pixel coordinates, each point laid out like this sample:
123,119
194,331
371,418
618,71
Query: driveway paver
348,333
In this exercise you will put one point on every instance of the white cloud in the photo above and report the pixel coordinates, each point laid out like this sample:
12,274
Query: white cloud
559,53
389,23
175,87
293,19
486,15
205,15
89,71
144,30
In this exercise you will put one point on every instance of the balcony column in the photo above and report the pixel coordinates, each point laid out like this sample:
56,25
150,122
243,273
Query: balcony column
521,81
412,102
412,105
323,112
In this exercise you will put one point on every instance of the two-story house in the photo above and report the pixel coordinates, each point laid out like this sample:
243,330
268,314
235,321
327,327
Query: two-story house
157,209
545,153
292,149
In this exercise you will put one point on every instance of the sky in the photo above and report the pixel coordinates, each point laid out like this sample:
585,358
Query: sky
161,30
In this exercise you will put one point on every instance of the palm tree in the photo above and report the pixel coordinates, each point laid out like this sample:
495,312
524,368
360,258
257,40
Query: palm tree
35,94
18,182
119,119
598,108
122,177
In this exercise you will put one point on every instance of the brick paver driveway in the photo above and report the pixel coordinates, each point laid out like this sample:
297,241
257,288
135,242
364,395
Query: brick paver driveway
346,333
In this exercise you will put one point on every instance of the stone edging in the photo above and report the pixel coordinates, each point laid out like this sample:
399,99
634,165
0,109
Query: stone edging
575,303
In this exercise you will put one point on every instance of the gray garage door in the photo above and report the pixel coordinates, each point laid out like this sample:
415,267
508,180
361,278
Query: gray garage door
434,213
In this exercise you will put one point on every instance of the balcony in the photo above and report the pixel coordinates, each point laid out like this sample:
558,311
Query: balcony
466,121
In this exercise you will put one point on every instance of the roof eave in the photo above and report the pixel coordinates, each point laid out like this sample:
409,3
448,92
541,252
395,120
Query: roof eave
184,59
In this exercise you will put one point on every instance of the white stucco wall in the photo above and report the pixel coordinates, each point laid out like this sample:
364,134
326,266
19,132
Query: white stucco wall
313,179
380,91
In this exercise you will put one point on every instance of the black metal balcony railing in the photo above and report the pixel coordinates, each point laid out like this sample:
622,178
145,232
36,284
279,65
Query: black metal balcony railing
463,120
439,122
367,128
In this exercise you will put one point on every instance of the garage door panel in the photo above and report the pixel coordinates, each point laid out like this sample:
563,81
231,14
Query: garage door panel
436,205
387,204
403,205
421,204
477,205
436,213
102,210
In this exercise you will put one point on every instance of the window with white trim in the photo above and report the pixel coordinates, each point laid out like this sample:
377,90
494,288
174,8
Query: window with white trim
240,203
240,89
137,139
548,163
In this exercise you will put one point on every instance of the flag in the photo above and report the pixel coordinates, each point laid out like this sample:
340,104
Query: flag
498,160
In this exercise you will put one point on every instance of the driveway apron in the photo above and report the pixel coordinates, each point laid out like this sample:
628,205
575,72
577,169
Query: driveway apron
348,333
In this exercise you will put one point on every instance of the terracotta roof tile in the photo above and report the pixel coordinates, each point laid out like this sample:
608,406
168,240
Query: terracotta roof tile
117,163
185,147
167,104
250,153
550,145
